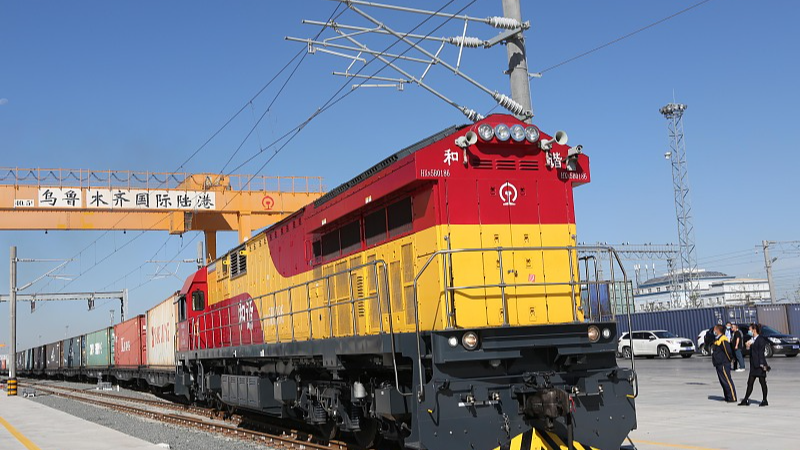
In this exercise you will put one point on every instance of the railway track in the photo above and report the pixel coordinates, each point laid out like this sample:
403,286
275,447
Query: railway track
286,439
163,404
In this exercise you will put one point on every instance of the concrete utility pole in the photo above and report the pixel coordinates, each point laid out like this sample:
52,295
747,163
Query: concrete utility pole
768,265
12,307
517,61
201,257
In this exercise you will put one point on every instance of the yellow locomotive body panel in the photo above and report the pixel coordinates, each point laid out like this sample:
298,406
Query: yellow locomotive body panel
316,304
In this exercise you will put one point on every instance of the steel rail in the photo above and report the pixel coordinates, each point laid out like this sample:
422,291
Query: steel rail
294,440
207,412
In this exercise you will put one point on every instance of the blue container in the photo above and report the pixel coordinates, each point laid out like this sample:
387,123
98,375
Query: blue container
686,323
599,300
793,317
773,316
71,352
741,314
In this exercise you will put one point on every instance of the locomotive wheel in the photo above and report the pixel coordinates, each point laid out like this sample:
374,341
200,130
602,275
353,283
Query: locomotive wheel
367,436
328,430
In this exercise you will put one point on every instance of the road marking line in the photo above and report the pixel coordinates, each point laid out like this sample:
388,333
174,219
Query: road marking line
22,439
663,444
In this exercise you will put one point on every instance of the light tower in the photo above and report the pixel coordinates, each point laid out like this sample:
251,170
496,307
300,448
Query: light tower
673,112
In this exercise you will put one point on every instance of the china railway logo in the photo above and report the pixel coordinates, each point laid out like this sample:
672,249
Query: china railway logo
267,202
508,194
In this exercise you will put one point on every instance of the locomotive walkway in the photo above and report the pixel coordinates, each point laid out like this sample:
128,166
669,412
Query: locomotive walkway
27,425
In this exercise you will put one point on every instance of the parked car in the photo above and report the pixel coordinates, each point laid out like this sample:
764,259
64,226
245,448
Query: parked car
779,343
652,343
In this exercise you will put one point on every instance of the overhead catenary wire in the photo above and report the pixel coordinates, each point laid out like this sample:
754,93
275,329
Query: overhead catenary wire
332,100
332,17
608,44
336,98
142,283
304,54
300,53
622,38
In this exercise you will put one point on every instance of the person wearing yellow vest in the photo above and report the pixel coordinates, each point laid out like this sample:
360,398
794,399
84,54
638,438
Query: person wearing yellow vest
721,356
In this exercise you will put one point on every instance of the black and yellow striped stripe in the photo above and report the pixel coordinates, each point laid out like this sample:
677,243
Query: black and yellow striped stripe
11,387
537,440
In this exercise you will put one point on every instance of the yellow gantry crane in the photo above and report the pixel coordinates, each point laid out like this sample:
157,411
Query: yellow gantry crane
78,199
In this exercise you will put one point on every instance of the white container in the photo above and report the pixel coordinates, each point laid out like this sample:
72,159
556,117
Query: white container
161,333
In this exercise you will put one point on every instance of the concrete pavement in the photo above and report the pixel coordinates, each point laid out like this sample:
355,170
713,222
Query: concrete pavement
27,425
680,406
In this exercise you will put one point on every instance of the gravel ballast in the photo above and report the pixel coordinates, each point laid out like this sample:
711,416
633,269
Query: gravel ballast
178,438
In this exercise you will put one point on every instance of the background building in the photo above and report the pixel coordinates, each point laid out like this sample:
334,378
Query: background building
714,289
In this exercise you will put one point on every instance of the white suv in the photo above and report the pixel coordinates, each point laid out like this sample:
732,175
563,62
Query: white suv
653,343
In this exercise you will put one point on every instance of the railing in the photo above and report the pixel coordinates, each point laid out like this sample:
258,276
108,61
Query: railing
225,327
218,325
224,323
597,254
124,179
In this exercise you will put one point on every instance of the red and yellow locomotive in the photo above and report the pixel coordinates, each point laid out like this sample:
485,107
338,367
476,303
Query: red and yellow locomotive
435,300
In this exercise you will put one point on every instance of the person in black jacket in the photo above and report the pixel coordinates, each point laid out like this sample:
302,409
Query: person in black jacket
721,356
758,365
737,345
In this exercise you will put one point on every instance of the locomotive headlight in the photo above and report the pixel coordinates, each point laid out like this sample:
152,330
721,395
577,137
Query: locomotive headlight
502,132
517,132
452,341
593,333
606,333
486,132
469,340
531,133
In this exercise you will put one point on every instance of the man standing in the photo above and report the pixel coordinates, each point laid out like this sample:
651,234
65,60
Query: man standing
728,330
737,345
721,355
758,366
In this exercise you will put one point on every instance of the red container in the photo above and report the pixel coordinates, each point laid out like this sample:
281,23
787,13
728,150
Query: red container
130,342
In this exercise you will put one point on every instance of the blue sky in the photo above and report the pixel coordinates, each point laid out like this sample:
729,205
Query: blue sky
141,85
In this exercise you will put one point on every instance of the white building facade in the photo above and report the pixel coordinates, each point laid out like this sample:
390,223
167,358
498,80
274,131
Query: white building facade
714,289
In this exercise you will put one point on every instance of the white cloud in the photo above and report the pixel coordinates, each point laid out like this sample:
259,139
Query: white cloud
3,101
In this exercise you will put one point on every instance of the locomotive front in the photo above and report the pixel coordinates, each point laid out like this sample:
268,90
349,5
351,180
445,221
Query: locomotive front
522,341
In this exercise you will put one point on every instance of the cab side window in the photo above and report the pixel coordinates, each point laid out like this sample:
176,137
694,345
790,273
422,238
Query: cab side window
181,308
198,301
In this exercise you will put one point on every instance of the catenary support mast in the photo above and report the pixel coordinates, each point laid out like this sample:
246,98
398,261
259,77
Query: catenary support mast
12,308
517,60
768,267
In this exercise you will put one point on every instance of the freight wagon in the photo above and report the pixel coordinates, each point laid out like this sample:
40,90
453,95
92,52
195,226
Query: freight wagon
72,350
39,359
120,353
53,354
130,350
99,348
